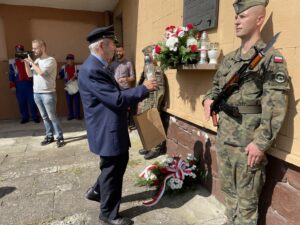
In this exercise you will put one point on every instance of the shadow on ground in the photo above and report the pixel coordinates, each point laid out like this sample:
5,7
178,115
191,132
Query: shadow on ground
6,190
169,200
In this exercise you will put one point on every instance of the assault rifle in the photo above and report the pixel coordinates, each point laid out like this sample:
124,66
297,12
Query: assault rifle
234,83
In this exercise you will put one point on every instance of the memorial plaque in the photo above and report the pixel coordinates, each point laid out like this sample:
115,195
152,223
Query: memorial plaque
203,14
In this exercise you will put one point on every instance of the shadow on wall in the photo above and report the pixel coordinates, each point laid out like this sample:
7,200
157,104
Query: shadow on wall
288,127
193,84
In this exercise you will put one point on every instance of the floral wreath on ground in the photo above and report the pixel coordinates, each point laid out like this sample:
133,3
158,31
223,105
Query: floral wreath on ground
170,174
179,47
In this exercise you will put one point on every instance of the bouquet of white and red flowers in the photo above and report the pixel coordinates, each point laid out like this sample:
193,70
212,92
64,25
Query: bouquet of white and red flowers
172,173
179,47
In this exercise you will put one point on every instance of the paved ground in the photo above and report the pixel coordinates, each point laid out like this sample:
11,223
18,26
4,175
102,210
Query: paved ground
46,185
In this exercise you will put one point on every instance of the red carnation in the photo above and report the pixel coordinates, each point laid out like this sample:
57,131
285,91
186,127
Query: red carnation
163,171
157,49
189,26
194,48
170,28
193,162
198,35
156,182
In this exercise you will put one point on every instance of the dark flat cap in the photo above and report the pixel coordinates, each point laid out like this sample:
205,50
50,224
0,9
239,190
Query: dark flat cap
101,33
242,5
70,56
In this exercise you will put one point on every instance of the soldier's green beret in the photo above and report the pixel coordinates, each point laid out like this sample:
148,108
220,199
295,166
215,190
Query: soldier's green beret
148,49
242,5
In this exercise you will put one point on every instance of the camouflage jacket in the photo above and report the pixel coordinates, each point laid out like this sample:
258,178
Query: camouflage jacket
265,86
155,99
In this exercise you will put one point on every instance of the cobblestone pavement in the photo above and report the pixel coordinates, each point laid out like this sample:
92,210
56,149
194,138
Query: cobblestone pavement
46,185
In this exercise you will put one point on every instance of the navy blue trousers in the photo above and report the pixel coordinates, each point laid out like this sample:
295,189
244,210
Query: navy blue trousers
73,100
24,93
109,184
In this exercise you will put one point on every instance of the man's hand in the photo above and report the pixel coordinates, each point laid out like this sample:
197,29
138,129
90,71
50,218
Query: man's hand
255,155
206,106
151,85
123,80
28,60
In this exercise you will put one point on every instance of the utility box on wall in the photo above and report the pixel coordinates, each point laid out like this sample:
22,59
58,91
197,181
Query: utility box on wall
203,14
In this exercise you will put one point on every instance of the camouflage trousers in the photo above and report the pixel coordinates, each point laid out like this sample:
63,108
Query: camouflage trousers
241,185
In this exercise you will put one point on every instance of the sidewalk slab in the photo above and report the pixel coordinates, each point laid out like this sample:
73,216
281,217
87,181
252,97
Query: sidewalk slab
45,185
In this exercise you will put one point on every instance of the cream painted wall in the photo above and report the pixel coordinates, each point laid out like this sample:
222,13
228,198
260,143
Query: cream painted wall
74,37
186,88
3,50
128,10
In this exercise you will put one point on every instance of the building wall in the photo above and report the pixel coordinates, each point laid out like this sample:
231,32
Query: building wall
188,132
279,202
128,12
187,87
64,31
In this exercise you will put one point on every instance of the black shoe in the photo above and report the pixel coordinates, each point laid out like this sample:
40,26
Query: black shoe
92,195
143,151
152,154
118,221
36,120
78,118
70,118
47,140
24,121
60,142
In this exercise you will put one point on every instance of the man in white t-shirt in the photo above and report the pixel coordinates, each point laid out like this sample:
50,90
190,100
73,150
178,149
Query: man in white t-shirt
44,70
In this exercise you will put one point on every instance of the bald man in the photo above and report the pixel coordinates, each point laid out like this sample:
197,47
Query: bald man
261,99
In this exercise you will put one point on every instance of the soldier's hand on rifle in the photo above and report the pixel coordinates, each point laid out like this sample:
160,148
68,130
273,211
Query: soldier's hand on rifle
255,155
151,85
207,103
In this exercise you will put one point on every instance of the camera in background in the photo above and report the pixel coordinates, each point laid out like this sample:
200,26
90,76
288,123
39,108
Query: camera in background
24,54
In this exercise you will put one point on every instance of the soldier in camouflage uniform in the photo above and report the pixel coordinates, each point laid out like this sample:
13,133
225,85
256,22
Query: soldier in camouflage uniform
262,102
155,100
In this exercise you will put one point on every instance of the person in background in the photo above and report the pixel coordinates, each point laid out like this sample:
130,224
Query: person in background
69,72
20,83
105,107
44,71
261,101
155,99
125,76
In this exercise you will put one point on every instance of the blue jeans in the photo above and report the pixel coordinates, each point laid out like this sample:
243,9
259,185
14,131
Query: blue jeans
46,103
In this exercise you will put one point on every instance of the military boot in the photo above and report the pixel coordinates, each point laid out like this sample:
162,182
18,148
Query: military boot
143,151
153,154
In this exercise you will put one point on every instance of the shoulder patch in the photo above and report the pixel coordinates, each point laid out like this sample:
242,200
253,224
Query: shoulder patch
278,59
280,77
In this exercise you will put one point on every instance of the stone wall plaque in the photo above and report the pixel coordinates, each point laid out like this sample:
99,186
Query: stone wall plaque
203,14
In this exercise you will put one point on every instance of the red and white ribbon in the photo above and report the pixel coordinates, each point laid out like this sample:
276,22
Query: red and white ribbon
178,169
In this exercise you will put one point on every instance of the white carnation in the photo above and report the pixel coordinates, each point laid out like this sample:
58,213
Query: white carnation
191,41
152,177
172,43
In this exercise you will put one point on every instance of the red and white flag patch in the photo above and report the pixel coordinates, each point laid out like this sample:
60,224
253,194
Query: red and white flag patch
278,59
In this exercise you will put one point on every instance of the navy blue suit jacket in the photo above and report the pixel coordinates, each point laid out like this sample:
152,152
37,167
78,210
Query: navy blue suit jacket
105,108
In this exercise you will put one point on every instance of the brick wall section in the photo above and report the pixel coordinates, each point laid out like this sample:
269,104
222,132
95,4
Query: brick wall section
280,200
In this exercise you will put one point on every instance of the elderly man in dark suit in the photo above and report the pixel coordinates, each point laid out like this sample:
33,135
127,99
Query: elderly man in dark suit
105,107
